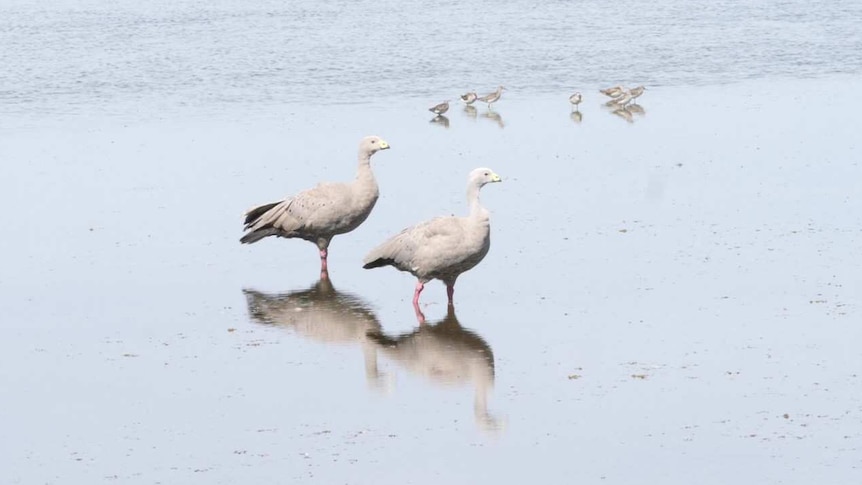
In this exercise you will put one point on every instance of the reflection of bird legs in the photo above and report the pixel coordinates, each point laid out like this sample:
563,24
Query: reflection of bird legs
484,419
420,317
373,377
419,287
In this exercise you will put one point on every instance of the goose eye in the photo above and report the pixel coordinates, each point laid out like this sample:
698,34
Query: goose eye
486,174
373,141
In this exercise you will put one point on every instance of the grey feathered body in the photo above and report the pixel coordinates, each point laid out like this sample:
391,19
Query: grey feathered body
441,248
317,214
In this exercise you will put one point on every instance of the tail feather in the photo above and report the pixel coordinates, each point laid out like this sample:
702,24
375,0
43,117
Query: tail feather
259,234
254,214
260,228
377,263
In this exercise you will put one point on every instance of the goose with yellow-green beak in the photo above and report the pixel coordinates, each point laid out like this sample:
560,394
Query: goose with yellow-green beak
319,214
442,248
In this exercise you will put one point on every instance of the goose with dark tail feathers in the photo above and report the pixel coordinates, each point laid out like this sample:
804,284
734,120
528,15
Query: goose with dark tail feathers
319,214
442,248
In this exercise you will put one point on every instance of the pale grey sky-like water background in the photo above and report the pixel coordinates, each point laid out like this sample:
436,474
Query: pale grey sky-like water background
669,299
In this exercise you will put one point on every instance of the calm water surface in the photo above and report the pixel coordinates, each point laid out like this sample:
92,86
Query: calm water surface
86,55
672,294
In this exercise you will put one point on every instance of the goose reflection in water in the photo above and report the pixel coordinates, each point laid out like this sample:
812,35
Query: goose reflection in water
446,353
323,314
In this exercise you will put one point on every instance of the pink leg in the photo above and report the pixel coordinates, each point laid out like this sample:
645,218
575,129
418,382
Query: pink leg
323,255
419,287
450,292
420,317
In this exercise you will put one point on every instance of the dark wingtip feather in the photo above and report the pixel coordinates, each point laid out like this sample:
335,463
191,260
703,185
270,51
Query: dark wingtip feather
377,263
257,235
253,215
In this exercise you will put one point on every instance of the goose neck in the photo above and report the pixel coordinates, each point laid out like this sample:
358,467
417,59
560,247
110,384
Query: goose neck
476,209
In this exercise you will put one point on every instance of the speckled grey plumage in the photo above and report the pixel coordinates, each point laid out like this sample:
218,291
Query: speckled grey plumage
440,108
319,214
469,98
613,91
492,97
442,248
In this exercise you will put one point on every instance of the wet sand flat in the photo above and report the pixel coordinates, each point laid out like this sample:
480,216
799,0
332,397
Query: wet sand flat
669,299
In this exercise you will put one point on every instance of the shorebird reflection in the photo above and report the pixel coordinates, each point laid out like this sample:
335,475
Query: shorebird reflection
471,111
447,354
440,120
323,314
576,116
494,116
625,114
637,109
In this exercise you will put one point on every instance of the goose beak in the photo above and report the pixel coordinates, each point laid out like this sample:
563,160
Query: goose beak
383,145
496,178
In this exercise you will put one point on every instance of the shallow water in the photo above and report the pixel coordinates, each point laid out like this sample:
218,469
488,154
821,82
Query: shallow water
673,299
121,57
672,294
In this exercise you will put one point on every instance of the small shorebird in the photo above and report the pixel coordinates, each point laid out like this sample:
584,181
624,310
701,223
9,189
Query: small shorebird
469,98
636,92
493,97
440,108
612,92
623,99
575,99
